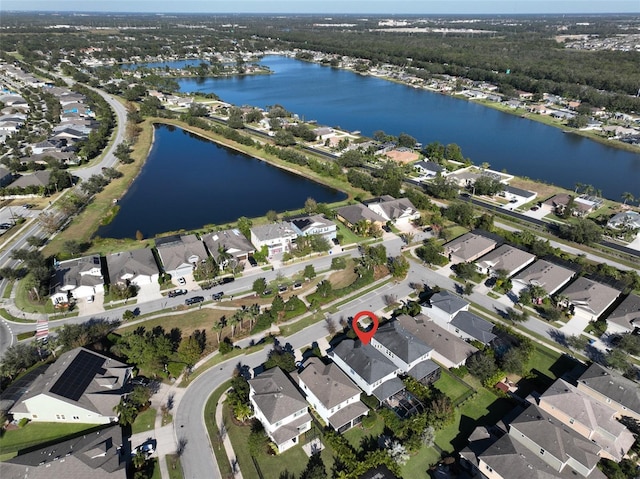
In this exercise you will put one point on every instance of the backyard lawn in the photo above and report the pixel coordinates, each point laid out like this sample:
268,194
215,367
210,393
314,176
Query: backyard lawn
294,460
356,434
38,433
452,387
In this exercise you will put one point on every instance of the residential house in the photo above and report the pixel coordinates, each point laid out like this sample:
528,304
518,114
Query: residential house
48,145
332,394
231,242
544,274
38,178
137,267
613,389
588,417
468,247
280,407
472,327
447,348
5,176
443,306
277,237
588,298
399,211
76,278
102,454
429,169
518,194
353,214
626,317
626,219
324,132
369,368
180,254
308,225
505,258
536,446
82,386
581,206
406,351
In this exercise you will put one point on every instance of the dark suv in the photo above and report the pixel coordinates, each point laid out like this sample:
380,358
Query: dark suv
217,296
194,300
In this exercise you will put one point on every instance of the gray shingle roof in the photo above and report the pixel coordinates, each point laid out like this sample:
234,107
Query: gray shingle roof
442,341
612,385
276,395
93,455
274,231
519,191
139,262
369,363
423,369
468,246
447,302
547,275
232,241
590,295
354,213
176,251
328,383
474,326
600,420
401,342
556,439
348,414
627,314
388,389
507,258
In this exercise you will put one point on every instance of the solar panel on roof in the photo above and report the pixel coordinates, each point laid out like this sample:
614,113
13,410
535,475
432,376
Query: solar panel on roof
73,382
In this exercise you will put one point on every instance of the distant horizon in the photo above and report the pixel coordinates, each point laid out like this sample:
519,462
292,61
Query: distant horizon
330,7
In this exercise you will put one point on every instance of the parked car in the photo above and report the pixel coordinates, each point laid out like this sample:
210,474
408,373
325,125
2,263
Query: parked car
5,226
182,281
177,292
90,299
217,296
228,279
534,208
282,288
335,241
297,285
147,448
267,292
28,206
194,300
252,261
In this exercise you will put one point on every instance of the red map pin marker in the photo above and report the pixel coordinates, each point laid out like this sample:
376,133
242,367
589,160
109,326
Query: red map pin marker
365,336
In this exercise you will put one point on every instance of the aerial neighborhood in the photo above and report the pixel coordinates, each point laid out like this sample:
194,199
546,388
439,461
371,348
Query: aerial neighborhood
294,300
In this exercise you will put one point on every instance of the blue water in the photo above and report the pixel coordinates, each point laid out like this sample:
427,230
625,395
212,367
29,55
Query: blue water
188,182
354,102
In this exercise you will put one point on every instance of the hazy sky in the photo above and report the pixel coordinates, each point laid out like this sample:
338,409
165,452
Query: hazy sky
330,6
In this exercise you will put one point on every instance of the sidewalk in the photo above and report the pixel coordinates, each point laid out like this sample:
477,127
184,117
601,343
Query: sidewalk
226,441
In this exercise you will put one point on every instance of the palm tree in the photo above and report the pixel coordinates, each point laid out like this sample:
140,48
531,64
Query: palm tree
579,186
234,320
626,196
218,327
242,411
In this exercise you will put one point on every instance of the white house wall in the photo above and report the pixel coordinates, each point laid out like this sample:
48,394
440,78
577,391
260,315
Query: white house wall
50,409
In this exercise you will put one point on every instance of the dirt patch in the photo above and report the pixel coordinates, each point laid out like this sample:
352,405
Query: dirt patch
343,278
543,190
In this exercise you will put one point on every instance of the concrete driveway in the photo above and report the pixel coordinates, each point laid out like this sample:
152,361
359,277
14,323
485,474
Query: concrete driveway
90,308
149,292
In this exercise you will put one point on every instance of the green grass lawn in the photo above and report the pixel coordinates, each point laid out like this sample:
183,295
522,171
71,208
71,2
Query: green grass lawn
294,460
212,429
418,464
145,421
348,236
450,386
36,433
485,408
356,434
174,466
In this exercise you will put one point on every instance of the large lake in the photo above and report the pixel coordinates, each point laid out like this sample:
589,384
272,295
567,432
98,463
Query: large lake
188,182
354,102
